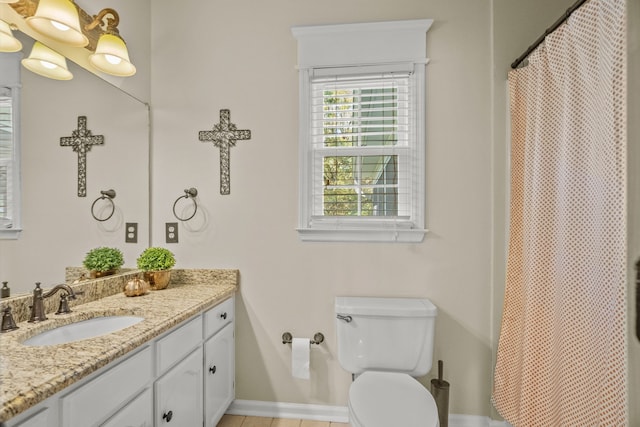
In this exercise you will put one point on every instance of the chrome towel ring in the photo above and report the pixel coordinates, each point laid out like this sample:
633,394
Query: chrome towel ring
190,193
109,195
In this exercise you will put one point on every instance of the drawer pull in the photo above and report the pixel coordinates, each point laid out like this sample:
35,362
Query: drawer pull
224,315
167,416
213,369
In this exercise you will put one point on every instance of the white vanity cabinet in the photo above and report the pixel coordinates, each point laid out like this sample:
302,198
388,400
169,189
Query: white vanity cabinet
178,394
184,378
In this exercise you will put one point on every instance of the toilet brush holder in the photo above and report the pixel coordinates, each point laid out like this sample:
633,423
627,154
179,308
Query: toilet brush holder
440,392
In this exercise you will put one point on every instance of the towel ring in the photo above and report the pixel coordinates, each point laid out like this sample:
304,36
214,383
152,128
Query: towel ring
191,193
105,194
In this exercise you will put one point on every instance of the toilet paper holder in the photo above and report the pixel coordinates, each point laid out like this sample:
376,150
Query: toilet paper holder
318,338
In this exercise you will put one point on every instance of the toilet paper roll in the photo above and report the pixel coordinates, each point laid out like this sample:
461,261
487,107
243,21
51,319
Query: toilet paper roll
300,351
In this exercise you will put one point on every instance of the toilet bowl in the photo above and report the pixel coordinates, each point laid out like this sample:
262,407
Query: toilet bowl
388,399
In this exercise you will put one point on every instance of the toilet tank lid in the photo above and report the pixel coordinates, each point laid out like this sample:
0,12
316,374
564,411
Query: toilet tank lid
392,307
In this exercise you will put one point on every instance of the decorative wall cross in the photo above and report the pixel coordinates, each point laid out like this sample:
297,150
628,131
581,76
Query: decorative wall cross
81,140
224,135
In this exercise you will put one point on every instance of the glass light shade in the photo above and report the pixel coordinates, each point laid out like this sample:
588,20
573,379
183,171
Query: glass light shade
8,43
58,19
47,63
112,56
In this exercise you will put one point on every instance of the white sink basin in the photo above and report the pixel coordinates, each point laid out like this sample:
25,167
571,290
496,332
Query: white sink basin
82,330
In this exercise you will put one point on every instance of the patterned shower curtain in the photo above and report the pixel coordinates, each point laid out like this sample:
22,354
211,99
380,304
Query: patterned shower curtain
562,352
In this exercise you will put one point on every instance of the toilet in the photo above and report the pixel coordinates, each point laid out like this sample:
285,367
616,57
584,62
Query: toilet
385,343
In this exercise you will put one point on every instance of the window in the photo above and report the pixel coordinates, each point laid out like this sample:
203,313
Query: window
9,147
362,131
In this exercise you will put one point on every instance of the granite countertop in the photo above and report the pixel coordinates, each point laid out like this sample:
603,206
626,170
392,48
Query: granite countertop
29,375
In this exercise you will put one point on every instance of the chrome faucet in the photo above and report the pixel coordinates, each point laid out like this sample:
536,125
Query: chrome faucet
37,308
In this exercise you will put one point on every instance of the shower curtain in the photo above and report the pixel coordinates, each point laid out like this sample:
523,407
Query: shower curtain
561,357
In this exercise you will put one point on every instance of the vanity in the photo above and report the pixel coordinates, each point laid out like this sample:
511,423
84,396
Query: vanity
174,367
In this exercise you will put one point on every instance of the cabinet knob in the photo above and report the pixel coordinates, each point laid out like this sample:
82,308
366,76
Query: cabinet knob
224,315
213,369
167,416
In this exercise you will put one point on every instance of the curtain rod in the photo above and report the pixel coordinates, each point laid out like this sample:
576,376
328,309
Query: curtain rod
548,31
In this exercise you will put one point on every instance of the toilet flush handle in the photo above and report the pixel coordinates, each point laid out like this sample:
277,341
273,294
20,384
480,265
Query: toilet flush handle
346,318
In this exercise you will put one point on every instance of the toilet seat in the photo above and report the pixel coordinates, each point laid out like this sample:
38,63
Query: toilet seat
384,399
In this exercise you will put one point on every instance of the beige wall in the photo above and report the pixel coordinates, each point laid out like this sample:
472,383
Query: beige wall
241,55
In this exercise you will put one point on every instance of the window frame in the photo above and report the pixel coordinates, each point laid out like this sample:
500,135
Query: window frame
376,51
10,71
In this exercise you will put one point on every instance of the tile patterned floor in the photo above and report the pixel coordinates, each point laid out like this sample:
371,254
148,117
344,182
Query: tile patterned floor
241,421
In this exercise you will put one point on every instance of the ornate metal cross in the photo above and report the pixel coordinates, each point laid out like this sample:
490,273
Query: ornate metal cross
81,140
224,135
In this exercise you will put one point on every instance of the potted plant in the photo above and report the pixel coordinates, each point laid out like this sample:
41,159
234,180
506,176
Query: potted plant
103,261
156,264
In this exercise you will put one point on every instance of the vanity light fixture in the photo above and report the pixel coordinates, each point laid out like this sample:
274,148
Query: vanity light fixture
111,55
47,63
59,20
8,43
66,22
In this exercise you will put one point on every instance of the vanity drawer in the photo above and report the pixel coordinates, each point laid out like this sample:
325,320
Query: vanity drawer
177,344
107,392
217,317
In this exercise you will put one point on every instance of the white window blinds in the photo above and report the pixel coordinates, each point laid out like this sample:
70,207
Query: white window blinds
10,224
6,156
361,136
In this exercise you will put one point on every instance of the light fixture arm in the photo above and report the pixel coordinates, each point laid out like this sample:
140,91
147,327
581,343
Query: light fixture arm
112,22
27,8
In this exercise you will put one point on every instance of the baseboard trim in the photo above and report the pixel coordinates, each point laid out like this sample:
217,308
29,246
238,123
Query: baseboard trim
339,414
257,408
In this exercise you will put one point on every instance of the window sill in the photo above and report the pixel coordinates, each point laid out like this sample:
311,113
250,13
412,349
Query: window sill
11,234
362,235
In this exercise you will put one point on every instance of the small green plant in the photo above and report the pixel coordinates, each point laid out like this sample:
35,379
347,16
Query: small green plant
156,259
103,259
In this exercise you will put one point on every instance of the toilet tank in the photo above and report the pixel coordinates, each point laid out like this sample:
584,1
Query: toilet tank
385,334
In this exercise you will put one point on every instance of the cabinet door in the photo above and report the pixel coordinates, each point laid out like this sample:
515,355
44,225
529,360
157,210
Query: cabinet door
178,394
42,418
219,375
138,413
93,402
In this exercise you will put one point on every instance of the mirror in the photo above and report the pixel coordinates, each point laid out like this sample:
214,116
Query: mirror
58,226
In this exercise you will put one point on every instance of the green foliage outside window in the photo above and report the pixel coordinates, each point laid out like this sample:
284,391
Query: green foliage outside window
360,185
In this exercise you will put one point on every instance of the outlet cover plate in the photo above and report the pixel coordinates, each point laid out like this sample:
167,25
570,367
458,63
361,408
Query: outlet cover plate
171,232
131,231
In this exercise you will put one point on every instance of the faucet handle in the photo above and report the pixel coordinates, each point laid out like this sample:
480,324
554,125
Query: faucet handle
8,324
63,308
